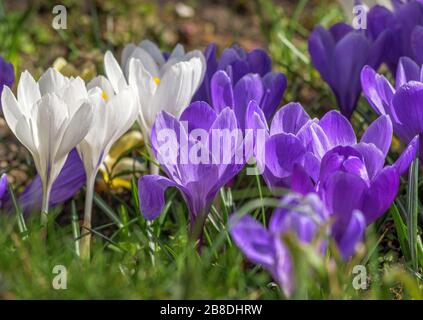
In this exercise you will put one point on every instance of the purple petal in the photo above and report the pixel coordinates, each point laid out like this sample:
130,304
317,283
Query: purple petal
199,115
408,104
321,46
373,158
274,84
151,190
221,91
300,181
408,155
407,71
378,91
338,129
3,188
340,30
203,93
381,194
253,239
417,43
346,85
250,87
380,134
352,235
282,152
259,62
314,139
289,119
342,193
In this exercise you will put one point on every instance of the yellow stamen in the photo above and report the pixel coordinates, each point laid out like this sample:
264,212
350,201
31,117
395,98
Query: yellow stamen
156,80
104,95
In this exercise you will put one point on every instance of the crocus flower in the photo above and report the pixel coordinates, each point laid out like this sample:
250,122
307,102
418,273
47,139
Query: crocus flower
405,27
69,181
239,77
323,156
49,118
267,92
236,62
161,85
3,189
113,114
303,216
7,75
199,180
403,104
339,54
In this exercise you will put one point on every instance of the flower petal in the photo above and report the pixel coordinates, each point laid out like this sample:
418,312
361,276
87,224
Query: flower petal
289,119
382,192
253,240
352,235
221,91
380,134
151,190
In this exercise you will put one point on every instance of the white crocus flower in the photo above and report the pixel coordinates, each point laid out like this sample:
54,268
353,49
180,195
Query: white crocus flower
161,85
50,117
114,113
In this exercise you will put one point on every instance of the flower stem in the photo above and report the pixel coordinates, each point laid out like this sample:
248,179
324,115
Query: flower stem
44,210
85,244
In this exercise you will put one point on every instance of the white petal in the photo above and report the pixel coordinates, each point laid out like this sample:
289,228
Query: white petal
11,109
49,119
51,81
126,54
103,83
145,87
114,72
178,52
28,91
73,94
147,61
25,135
153,50
76,129
176,89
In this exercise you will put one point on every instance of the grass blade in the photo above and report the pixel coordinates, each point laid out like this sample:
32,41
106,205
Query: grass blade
413,211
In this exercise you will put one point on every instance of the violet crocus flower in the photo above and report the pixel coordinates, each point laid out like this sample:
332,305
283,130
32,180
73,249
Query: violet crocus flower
323,156
303,216
405,27
403,104
3,189
175,143
7,75
239,77
267,92
339,54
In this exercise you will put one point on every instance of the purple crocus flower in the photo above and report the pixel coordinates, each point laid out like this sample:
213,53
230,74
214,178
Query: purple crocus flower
239,77
405,27
7,75
403,104
277,162
267,92
176,143
323,156
3,188
339,54
303,216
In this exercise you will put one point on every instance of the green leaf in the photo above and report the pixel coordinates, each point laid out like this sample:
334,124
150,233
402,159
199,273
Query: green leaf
413,211
401,229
